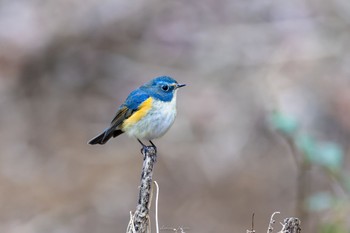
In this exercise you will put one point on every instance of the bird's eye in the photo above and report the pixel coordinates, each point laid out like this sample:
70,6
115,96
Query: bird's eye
165,87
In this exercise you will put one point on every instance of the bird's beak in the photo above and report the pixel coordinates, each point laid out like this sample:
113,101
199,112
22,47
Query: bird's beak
180,85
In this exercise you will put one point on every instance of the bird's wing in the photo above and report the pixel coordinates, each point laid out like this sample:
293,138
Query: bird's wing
122,114
132,103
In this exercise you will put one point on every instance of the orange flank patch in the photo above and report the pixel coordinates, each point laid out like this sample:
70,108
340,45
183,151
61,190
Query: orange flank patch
139,114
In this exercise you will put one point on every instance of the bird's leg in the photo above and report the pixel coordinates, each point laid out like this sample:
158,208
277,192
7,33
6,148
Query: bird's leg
149,149
144,147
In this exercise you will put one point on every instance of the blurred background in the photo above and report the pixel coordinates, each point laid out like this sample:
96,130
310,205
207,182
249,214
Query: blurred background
263,124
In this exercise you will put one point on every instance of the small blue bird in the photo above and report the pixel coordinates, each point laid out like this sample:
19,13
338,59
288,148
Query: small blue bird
146,114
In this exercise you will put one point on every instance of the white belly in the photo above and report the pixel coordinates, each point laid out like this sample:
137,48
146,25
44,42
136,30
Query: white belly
156,122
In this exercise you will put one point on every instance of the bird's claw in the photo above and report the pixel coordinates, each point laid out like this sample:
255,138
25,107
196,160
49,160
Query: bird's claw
149,150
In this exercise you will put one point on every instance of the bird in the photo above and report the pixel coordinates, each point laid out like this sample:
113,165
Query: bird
147,113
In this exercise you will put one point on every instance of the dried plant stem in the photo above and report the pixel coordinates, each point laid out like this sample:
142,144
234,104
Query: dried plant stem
252,229
272,221
156,207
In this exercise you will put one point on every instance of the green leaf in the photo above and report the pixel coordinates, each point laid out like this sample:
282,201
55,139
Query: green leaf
284,123
320,201
330,155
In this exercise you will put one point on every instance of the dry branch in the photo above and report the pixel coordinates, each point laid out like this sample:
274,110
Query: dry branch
139,222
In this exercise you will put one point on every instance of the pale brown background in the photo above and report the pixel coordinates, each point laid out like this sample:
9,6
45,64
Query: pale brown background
66,66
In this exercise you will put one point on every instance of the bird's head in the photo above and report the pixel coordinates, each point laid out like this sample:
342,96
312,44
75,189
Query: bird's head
162,88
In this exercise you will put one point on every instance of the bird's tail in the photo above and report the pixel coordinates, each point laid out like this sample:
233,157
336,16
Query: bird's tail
105,136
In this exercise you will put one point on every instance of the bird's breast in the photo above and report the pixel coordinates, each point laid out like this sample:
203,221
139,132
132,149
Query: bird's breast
155,122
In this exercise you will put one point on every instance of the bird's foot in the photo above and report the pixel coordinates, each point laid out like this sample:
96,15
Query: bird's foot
154,146
149,150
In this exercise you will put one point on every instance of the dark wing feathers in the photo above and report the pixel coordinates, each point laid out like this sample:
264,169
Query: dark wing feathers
131,104
124,112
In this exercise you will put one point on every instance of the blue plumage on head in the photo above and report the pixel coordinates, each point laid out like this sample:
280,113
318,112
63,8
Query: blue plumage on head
161,88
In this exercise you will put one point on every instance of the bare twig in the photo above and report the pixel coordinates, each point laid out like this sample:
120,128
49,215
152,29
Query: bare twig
252,229
272,221
156,207
139,222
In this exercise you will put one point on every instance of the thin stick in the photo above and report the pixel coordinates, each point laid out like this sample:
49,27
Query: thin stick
156,207
272,221
252,230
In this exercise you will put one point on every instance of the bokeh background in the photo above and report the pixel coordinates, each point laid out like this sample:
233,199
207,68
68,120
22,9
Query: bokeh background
66,66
